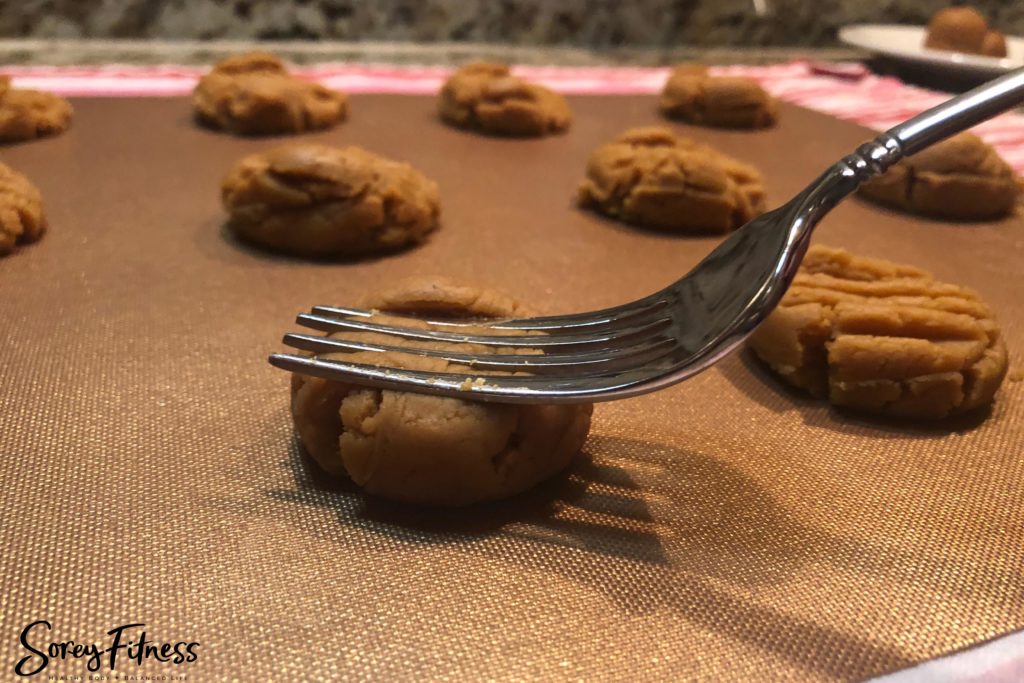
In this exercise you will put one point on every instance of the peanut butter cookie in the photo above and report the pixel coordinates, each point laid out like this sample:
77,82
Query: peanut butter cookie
21,211
963,29
693,96
253,94
30,114
315,200
654,178
883,338
429,449
487,98
960,178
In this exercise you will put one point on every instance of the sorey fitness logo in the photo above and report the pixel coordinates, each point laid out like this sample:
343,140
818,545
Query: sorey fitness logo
127,643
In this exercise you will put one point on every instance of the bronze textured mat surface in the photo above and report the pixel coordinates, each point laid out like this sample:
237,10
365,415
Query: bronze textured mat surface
723,529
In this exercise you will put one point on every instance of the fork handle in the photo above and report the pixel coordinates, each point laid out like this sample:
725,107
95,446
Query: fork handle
938,123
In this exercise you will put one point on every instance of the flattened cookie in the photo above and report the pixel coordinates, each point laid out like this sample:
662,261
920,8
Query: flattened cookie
315,200
654,178
429,449
30,114
21,211
960,178
883,338
693,96
253,94
487,98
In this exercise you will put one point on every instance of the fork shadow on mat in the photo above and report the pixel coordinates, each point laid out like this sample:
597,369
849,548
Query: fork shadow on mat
651,527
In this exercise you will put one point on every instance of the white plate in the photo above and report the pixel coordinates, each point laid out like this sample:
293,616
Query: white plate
906,43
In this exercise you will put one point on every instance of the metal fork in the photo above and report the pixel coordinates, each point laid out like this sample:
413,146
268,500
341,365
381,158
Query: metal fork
655,341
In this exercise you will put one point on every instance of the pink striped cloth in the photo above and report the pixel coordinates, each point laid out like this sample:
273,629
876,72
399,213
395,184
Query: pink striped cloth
847,91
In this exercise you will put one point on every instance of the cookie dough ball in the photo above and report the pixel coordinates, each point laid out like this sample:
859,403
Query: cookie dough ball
487,98
315,200
21,211
654,178
253,94
30,114
691,95
883,338
963,29
960,178
429,449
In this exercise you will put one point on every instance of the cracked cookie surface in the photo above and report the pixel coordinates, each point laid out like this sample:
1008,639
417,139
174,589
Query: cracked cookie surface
30,114
692,95
488,98
21,211
314,200
429,449
883,338
961,178
654,178
253,94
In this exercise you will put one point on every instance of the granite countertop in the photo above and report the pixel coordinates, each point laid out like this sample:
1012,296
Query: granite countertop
90,51
593,24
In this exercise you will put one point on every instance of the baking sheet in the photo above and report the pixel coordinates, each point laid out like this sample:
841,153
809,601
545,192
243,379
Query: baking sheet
726,528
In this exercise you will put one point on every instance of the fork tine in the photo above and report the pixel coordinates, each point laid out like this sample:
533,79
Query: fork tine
541,341
575,388
603,360
617,316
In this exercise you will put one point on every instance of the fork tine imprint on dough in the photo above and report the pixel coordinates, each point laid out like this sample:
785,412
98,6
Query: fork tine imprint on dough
884,338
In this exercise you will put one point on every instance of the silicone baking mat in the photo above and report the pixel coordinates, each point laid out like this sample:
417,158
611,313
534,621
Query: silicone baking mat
725,528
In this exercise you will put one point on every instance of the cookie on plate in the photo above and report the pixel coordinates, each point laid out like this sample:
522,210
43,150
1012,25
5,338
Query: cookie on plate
884,338
693,96
964,29
429,449
486,97
654,178
960,178
315,200
30,114
253,94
